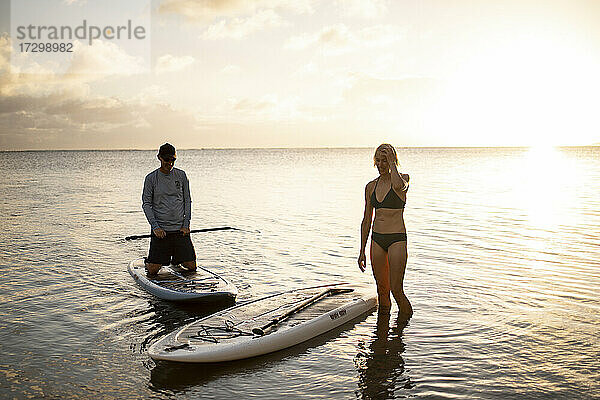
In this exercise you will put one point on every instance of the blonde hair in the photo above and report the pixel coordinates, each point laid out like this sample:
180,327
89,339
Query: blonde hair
381,146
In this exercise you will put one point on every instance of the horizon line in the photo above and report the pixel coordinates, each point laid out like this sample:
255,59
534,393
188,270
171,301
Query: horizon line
303,148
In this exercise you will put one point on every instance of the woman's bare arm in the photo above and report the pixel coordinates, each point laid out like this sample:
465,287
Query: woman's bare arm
364,228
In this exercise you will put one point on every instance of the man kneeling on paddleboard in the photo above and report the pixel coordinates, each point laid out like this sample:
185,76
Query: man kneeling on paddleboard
167,204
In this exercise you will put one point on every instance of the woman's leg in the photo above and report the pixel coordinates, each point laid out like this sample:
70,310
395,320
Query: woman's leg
397,257
381,272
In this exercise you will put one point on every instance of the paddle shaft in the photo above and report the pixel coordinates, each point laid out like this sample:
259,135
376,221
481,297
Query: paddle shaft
221,228
261,331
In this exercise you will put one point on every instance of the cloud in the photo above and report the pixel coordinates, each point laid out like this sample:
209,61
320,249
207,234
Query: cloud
47,110
206,11
339,39
363,8
395,93
78,113
54,121
24,76
88,64
239,28
53,111
332,37
169,63
267,107
104,58
231,70
153,94
51,122
306,70
380,35
102,112
30,78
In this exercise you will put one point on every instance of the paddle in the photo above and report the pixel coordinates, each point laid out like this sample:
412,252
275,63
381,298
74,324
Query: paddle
260,331
221,228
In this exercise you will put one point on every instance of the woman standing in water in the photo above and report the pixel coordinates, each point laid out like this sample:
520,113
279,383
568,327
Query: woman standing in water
387,195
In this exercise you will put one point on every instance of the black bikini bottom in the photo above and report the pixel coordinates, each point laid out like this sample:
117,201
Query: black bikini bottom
385,240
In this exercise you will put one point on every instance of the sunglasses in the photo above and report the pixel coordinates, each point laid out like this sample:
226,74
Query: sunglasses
168,159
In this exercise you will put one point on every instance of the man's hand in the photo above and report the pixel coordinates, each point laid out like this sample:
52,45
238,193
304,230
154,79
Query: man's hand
159,233
185,231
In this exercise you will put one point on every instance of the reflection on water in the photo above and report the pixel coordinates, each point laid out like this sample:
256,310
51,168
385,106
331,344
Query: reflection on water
380,364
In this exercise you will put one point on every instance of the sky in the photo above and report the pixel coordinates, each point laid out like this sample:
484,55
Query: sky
315,73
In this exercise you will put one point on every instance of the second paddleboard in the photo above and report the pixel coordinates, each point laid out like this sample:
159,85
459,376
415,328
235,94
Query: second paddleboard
263,326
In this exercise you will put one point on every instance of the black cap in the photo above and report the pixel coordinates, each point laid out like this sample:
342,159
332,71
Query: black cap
166,149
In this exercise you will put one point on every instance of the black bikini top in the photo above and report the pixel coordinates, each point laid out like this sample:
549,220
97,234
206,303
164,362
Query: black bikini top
391,199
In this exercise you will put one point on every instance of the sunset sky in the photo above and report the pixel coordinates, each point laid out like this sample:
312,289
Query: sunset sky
330,73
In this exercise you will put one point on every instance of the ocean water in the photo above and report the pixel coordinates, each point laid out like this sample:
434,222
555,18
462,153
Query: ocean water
503,273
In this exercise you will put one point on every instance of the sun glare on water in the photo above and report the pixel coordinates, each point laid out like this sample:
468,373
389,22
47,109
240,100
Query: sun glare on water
543,187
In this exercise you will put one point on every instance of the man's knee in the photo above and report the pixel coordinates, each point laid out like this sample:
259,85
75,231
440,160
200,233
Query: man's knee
189,265
152,268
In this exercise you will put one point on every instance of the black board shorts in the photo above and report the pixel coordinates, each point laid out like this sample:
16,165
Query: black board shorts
175,248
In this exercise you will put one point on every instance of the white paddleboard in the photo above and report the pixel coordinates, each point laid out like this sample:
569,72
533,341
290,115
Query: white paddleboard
228,335
175,283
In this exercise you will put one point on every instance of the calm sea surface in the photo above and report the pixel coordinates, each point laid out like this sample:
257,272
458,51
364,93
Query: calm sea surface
503,273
